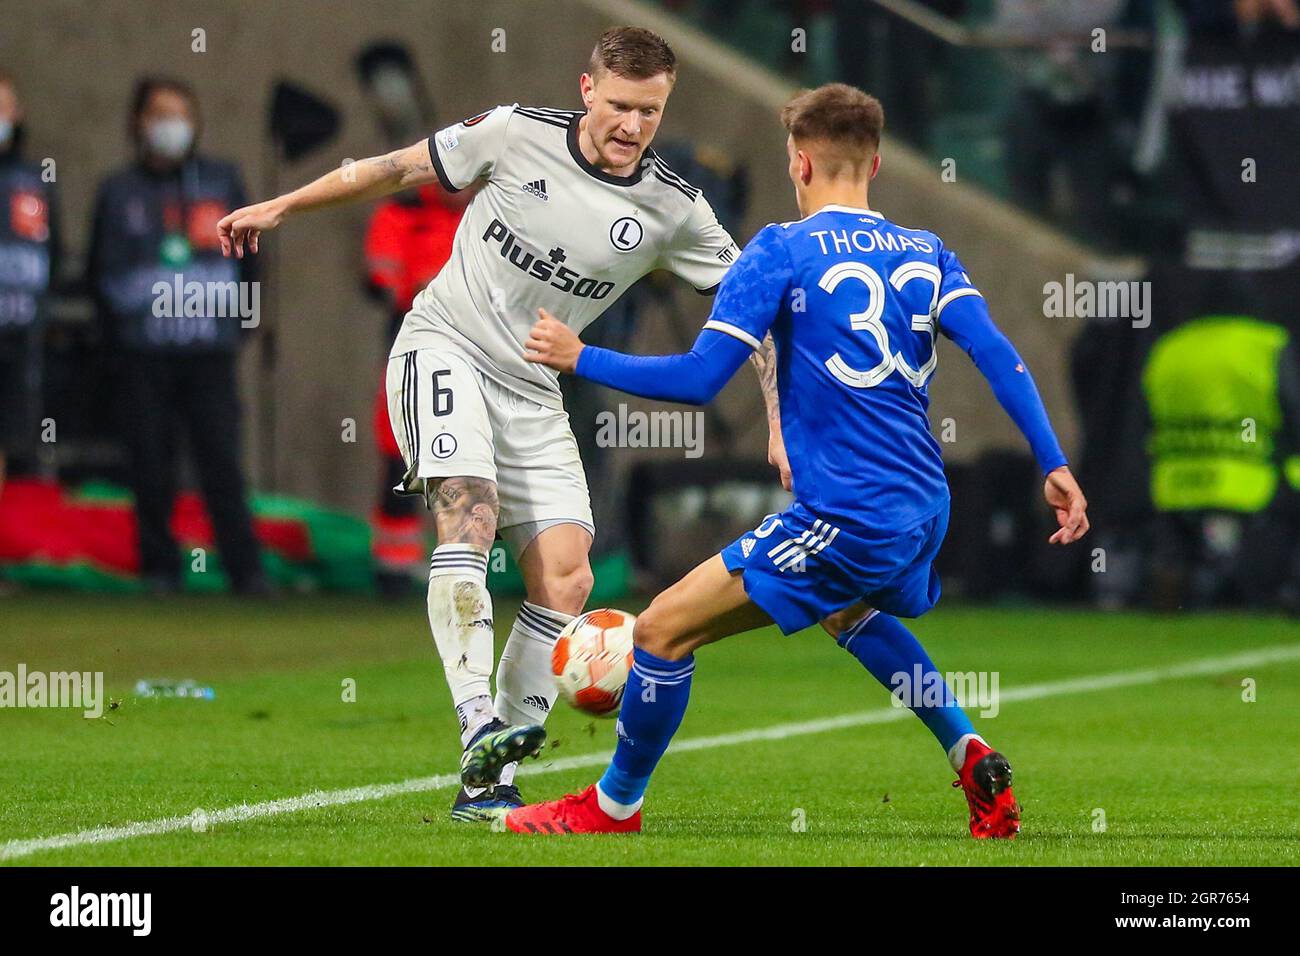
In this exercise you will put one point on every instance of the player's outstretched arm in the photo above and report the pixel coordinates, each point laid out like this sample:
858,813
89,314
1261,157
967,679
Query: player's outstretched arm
749,299
693,377
353,182
967,322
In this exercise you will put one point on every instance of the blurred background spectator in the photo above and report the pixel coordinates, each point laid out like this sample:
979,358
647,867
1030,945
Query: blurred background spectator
1223,394
1073,115
155,233
29,256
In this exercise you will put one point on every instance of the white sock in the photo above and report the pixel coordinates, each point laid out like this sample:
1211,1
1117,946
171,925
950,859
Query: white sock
957,754
460,617
473,714
525,684
614,809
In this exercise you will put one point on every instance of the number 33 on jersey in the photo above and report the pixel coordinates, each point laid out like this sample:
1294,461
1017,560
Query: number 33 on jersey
854,303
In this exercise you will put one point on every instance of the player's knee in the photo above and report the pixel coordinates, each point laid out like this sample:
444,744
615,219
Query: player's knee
580,584
655,634
649,634
567,590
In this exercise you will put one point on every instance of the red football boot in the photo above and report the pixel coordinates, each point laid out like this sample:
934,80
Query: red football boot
986,780
572,813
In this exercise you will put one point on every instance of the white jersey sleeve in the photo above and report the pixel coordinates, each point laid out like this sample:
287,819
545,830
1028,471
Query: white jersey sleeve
700,251
470,149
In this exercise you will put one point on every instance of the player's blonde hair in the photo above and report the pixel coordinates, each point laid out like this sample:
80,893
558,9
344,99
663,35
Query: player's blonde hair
634,53
838,123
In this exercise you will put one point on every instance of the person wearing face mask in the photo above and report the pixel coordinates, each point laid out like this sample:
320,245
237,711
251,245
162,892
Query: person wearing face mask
28,257
174,312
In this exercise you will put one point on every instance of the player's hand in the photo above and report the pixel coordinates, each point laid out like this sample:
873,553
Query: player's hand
1066,498
245,225
553,343
777,458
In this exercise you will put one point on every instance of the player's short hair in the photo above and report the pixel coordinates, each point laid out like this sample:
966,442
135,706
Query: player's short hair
633,53
839,122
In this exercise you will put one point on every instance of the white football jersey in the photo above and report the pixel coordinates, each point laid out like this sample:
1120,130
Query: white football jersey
550,230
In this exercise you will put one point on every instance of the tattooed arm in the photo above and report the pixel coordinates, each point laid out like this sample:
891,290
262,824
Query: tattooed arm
764,359
352,182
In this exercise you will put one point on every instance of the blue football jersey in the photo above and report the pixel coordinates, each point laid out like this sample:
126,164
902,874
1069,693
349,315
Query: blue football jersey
853,302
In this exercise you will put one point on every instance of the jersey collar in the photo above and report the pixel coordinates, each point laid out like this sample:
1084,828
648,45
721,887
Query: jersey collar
647,159
835,207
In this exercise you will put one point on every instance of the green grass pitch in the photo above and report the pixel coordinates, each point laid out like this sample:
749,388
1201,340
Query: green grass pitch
1179,767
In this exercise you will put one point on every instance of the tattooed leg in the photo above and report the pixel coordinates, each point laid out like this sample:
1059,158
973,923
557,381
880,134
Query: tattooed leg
460,608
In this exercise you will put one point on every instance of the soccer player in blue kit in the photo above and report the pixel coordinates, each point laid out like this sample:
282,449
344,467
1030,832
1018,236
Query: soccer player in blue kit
852,303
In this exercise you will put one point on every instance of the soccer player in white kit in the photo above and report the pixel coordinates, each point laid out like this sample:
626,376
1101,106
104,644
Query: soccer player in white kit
573,207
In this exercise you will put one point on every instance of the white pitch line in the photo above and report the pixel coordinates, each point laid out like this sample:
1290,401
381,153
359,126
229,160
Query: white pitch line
15,849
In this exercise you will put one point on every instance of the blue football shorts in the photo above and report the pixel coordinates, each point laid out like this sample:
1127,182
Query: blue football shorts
801,569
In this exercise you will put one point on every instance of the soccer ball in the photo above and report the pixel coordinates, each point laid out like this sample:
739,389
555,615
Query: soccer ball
592,658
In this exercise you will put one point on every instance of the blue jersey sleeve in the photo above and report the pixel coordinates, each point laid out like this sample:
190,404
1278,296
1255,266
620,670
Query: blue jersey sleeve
754,289
747,304
964,318
954,282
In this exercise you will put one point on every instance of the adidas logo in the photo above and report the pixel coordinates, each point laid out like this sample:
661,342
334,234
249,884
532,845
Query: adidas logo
538,701
747,546
537,188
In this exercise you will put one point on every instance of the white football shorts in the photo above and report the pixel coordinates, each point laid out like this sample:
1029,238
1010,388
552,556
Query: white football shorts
450,421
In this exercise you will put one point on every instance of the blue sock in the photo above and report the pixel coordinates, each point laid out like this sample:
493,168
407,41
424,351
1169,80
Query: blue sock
653,706
886,648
